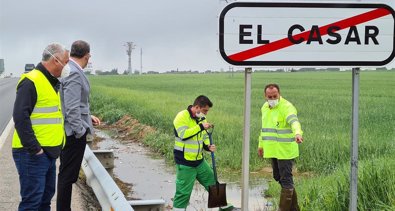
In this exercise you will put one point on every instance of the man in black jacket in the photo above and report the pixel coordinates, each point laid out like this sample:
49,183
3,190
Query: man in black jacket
39,134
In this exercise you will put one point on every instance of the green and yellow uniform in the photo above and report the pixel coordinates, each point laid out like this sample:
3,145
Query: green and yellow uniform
190,141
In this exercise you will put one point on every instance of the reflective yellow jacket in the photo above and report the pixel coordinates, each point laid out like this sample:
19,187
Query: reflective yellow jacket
279,127
46,118
190,137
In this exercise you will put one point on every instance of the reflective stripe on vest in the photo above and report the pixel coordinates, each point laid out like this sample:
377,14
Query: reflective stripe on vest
292,118
273,138
292,121
186,149
280,135
190,145
45,109
181,131
47,117
47,121
189,141
272,130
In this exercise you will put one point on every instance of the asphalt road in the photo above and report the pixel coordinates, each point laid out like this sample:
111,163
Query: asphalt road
7,98
9,186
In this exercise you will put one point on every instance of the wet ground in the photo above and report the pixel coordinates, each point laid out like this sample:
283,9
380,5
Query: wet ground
152,178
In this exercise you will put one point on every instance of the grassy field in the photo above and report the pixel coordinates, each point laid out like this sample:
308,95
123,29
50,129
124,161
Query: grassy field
323,100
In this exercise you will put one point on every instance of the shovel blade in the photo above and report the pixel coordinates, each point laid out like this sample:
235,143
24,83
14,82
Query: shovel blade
217,195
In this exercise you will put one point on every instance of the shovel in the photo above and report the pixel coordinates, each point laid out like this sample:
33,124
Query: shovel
217,192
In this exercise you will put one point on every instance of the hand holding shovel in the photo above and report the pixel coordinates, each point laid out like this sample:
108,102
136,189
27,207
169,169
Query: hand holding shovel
216,192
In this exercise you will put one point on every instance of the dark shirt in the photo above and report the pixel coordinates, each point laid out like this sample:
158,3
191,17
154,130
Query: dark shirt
26,99
178,155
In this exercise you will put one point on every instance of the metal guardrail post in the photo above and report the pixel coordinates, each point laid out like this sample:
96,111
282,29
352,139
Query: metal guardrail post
89,140
106,158
107,192
148,205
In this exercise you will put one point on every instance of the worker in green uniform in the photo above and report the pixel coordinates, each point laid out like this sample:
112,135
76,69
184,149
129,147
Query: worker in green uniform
191,139
279,141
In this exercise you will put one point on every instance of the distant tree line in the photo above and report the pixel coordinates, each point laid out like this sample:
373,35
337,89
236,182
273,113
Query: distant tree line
114,71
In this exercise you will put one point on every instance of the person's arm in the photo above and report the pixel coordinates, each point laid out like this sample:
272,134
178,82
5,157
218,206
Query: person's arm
183,131
72,86
260,141
210,148
206,143
293,120
260,146
95,120
26,99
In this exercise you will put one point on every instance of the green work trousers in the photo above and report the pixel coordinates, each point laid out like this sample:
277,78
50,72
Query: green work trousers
186,177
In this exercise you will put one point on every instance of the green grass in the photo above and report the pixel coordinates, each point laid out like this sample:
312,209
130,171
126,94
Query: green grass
376,190
323,100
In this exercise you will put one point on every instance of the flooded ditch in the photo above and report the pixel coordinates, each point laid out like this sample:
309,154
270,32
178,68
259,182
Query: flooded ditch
152,178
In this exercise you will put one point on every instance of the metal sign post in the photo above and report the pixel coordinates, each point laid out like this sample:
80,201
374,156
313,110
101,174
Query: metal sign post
354,141
246,139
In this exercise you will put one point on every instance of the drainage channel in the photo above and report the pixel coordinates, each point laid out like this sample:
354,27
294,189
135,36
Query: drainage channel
152,178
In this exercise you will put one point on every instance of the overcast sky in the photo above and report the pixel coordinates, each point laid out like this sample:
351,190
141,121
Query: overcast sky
172,33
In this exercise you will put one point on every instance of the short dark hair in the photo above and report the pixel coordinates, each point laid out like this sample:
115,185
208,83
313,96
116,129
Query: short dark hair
79,49
202,101
272,86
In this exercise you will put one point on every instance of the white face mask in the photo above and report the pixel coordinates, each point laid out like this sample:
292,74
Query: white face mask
272,103
200,115
65,71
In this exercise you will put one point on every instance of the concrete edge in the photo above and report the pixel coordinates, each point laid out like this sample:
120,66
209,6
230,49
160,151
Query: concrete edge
6,132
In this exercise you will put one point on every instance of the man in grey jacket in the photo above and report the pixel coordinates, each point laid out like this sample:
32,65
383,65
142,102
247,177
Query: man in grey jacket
78,122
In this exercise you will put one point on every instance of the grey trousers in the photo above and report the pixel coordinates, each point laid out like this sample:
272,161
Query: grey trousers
282,172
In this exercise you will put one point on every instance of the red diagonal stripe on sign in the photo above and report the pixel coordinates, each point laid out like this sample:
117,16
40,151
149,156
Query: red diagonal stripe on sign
283,43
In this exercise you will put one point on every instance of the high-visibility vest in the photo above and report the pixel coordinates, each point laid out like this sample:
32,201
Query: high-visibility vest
46,118
279,127
189,136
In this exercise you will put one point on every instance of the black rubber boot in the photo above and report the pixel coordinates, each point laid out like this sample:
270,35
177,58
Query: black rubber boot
286,199
294,204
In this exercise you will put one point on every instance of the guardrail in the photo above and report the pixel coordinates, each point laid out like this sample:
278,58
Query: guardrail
107,192
106,158
147,205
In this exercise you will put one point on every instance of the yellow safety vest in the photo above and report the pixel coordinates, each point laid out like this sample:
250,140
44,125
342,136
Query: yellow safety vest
46,118
189,138
279,127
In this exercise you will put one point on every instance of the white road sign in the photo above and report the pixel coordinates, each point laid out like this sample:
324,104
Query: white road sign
307,34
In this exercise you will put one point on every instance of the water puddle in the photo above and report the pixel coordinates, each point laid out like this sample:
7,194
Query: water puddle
152,178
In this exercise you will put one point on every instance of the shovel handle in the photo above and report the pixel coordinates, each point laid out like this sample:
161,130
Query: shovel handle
212,156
